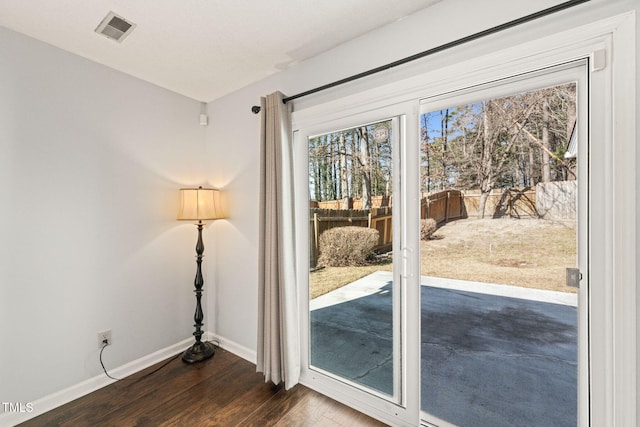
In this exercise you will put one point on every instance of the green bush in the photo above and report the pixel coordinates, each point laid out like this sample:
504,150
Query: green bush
347,246
427,228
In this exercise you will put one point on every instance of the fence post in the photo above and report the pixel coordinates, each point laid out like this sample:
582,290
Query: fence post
446,207
315,235
427,213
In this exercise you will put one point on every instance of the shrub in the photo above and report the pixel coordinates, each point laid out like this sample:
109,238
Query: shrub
347,246
427,228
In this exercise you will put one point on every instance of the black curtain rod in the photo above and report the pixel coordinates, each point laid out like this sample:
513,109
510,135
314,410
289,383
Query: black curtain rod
545,12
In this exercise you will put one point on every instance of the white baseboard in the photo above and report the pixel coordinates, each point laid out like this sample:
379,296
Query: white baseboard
61,397
233,347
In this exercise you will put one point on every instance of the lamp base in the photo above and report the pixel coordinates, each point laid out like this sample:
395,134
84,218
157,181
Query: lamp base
198,352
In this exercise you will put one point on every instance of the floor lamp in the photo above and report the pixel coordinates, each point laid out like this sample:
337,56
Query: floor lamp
199,204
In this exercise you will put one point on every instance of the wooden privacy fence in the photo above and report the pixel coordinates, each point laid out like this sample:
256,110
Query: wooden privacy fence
322,220
443,206
553,200
503,202
353,203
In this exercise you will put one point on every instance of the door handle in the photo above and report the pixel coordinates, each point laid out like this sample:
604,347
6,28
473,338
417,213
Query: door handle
406,271
573,277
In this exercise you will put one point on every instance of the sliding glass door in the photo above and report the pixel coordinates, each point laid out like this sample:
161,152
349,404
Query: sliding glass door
357,295
444,250
504,286
351,292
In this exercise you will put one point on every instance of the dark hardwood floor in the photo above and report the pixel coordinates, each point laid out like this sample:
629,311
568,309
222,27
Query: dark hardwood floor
222,391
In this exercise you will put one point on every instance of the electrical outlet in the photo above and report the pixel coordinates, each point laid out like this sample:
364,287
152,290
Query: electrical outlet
104,335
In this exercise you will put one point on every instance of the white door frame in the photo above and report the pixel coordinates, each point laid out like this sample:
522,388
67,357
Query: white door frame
609,44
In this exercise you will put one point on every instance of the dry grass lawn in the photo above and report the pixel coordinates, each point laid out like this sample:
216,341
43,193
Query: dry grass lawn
521,252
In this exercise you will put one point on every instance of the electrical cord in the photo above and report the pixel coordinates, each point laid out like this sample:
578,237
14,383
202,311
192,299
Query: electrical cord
216,344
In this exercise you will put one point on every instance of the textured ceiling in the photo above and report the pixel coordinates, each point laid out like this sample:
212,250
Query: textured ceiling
203,49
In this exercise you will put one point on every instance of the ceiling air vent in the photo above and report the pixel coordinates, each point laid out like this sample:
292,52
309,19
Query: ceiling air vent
115,27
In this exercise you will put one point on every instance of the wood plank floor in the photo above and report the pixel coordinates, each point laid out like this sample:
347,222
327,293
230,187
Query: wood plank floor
222,391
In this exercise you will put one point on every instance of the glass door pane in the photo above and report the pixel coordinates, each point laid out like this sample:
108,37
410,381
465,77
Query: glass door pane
499,187
352,298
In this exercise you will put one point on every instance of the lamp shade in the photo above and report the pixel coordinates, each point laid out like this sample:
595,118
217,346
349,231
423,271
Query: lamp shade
199,204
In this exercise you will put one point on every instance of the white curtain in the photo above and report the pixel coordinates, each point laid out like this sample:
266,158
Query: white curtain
278,353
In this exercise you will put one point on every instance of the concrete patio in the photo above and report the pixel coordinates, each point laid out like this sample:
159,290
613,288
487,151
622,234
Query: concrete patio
491,354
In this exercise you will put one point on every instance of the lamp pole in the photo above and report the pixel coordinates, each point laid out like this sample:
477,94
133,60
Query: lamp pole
199,350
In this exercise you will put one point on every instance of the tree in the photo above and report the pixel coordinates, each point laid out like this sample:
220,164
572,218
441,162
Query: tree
342,149
351,163
365,166
503,142
425,160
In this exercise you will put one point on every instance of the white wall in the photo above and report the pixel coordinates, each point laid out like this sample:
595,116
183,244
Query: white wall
91,161
234,130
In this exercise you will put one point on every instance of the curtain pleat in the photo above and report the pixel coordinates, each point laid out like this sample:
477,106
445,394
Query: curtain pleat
278,351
